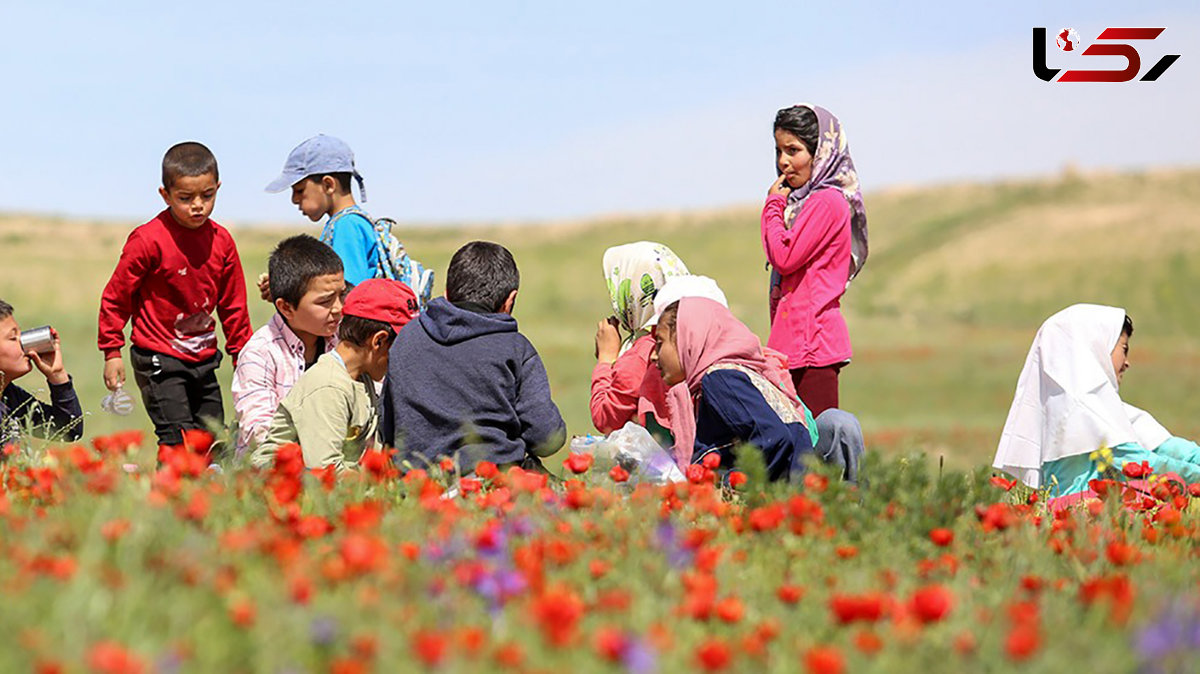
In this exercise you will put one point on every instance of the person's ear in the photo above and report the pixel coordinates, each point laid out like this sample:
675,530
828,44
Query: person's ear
509,303
284,307
380,340
329,185
162,191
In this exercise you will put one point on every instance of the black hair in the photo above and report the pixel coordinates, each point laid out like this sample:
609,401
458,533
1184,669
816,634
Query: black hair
358,331
6,309
670,316
801,122
188,160
1127,327
483,273
295,262
342,178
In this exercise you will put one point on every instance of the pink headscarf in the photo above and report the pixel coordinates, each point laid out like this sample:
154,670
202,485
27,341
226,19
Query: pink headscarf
707,334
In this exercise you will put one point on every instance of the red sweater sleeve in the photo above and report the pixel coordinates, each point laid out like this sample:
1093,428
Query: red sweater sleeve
231,305
616,387
791,249
116,303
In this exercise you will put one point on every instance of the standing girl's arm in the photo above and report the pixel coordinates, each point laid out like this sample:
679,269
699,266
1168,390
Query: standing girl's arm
819,219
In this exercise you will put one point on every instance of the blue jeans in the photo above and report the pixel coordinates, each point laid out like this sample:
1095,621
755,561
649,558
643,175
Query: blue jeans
840,442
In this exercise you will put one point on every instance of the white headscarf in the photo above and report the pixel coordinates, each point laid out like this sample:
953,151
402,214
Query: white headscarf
635,272
1067,402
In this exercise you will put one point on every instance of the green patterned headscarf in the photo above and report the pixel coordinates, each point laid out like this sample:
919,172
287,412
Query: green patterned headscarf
635,272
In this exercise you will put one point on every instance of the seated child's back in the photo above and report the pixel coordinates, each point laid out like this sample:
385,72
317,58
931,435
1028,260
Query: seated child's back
463,378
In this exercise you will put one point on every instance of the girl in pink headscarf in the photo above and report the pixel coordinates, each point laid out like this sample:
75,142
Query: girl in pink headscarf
727,390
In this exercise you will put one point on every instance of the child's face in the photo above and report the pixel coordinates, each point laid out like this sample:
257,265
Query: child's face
792,158
13,362
1120,357
191,199
666,355
320,310
376,362
314,198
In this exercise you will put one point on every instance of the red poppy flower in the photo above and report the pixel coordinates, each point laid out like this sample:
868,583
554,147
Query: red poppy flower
824,660
1002,483
1120,553
1022,642
789,594
1136,470
557,612
618,474
611,643
931,603
713,655
737,479
941,537
429,646
108,657
867,642
243,613
848,608
579,462
730,610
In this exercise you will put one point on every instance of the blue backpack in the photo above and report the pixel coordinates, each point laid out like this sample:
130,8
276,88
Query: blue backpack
394,261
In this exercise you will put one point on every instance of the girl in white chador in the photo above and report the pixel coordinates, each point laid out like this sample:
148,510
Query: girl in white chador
1067,406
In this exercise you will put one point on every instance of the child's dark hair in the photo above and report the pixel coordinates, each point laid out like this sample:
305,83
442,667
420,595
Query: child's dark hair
483,273
670,316
357,330
343,179
188,160
1127,328
6,309
296,261
801,122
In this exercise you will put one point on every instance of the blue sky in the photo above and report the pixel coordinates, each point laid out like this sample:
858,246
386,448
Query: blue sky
545,110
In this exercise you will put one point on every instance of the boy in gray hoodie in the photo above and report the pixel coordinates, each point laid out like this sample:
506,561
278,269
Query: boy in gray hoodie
462,381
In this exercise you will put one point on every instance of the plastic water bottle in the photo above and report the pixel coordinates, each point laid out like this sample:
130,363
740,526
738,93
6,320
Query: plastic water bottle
118,402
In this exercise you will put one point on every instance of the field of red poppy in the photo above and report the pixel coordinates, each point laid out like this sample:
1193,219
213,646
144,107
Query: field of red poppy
108,568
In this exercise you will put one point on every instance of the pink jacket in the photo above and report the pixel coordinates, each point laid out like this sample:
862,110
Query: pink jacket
270,365
813,258
627,389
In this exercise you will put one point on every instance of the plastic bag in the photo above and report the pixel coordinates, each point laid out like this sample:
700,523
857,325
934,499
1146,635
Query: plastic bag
634,449
118,402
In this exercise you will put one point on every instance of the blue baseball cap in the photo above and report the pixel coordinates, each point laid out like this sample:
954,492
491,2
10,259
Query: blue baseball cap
318,155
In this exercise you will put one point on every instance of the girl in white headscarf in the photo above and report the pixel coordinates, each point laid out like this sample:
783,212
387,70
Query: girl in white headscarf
622,391
1067,407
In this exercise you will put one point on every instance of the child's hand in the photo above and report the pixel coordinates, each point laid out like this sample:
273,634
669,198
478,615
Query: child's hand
264,286
608,340
53,370
780,187
114,373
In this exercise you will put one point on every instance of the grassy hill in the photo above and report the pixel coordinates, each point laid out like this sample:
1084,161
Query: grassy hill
958,280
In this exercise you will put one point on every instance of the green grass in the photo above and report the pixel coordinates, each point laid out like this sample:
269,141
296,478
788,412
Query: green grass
959,278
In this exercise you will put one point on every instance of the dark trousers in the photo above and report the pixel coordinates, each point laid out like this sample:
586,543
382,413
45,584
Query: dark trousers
178,395
817,386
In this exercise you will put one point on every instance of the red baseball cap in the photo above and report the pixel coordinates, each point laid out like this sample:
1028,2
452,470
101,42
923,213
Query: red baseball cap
384,300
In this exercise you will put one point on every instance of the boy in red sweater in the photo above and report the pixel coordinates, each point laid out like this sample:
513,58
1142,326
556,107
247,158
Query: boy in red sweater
173,271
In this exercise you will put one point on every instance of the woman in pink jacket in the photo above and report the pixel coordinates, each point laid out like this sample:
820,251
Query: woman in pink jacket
814,232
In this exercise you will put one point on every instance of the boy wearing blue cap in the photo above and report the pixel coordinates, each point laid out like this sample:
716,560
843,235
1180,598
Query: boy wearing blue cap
318,172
